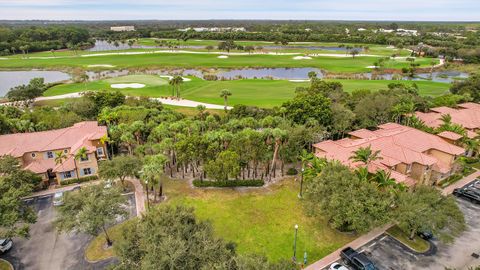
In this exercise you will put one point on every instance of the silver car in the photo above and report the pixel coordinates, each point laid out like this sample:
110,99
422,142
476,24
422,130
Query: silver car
58,199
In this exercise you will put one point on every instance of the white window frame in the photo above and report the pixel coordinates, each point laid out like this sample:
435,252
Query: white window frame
50,153
100,154
33,155
89,171
84,160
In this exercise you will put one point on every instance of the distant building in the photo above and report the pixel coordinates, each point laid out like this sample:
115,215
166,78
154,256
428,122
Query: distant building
361,29
410,155
122,28
36,151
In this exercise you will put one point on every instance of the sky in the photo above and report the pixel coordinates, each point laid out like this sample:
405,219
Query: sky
390,10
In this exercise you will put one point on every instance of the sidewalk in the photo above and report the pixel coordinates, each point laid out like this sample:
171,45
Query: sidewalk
357,243
467,179
139,196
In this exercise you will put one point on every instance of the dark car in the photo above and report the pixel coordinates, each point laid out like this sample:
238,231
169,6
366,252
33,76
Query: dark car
426,235
467,193
358,261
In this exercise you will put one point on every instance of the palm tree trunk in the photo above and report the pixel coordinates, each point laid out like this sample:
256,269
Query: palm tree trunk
107,237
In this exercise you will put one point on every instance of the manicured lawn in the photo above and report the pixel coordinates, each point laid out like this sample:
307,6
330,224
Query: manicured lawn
96,251
257,220
417,244
374,49
260,220
188,60
259,92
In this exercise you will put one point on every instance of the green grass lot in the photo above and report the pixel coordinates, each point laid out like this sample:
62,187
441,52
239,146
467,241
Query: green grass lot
260,220
189,60
418,244
258,92
374,49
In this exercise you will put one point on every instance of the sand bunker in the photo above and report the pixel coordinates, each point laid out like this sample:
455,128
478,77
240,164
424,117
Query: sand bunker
302,58
101,66
222,56
372,67
171,77
127,85
298,80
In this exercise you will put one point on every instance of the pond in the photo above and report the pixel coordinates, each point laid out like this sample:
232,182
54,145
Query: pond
9,79
281,74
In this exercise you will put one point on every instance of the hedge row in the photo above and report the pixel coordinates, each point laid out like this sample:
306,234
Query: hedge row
229,183
78,181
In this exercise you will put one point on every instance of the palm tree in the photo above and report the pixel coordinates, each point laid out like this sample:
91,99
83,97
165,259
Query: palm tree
225,94
152,171
60,157
130,43
84,78
175,82
365,155
105,140
383,179
82,153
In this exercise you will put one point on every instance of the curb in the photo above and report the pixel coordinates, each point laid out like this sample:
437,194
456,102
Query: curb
432,250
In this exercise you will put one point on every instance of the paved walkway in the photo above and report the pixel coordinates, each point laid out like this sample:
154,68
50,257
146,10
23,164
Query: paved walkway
357,243
139,195
469,178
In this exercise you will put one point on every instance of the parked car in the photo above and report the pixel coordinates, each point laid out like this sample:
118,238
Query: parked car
359,261
426,235
58,199
468,194
337,266
5,245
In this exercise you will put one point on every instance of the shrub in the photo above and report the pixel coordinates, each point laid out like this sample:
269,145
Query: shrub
229,183
292,171
78,181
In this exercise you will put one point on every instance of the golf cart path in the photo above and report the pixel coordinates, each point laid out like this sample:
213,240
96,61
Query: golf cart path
166,101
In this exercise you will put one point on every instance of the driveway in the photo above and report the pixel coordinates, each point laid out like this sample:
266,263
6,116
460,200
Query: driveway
388,254
46,250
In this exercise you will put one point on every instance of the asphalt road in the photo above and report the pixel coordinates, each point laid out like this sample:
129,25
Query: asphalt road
46,249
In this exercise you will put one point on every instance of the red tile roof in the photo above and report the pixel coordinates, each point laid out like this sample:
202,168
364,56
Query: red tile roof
73,138
397,144
450,135
467,115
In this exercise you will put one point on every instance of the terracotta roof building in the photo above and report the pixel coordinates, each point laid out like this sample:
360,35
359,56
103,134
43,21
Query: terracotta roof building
36,151
466,115
410,155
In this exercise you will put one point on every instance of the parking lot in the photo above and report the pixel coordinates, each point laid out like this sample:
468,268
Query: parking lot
388,254
46,249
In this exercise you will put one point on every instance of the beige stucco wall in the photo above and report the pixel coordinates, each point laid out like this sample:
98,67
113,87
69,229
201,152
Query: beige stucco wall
401,168
442,156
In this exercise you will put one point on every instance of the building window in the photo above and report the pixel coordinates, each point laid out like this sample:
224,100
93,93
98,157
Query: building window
67,174
100,152
65,151
85,158
87,171
49,154
33,155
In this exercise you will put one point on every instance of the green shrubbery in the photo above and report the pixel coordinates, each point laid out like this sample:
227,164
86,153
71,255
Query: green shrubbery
78,181
229,183
292,171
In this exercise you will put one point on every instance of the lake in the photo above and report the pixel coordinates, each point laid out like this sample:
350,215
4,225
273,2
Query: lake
9,79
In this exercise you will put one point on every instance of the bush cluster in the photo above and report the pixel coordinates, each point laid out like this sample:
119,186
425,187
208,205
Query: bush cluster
229,183
78,181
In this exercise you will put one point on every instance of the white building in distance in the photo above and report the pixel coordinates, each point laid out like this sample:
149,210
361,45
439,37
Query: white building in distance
122,28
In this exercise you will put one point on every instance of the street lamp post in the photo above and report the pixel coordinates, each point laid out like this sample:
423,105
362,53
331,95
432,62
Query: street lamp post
148,201
301,184
295,244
